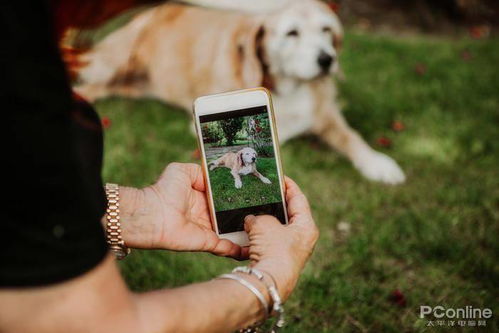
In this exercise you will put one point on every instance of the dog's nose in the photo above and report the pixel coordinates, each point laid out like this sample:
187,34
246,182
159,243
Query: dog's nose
325,60
253,159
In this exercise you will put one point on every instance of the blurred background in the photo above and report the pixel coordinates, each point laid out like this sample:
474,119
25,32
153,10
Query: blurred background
422,85
426,16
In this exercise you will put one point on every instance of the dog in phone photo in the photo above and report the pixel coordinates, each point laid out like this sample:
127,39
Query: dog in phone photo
241,162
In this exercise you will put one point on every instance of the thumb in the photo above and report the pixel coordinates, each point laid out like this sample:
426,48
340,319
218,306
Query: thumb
249,221
195,173
259,223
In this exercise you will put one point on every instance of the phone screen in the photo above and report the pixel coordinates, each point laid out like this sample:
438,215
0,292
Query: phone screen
242,167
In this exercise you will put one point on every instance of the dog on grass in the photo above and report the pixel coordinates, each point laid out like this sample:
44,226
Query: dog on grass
241,163
176,53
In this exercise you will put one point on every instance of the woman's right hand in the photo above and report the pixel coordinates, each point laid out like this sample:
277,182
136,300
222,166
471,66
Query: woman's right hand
282,250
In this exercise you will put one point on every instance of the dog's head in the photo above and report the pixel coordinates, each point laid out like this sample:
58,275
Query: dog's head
246,156
300,42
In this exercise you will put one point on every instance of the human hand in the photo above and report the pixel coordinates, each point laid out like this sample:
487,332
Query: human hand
283,250
172,214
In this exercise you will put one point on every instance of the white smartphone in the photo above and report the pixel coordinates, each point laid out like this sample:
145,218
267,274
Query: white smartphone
240,158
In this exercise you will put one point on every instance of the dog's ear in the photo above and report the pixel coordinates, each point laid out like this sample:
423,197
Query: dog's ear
252,67
240,158
337,36
336,28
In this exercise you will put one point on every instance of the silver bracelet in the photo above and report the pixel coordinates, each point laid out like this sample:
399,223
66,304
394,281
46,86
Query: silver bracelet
251,287
277,307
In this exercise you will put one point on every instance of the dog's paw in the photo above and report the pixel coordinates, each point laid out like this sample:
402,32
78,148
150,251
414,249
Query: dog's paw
379,167
266,180
238,183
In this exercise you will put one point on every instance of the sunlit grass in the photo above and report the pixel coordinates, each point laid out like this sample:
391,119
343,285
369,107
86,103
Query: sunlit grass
252,193
435,238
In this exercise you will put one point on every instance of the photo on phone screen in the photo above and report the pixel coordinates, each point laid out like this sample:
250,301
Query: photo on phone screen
242,166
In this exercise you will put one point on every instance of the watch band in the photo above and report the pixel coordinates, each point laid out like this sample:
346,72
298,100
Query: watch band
113,225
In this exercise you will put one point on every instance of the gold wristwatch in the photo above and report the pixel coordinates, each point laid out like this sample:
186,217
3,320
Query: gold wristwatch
113,225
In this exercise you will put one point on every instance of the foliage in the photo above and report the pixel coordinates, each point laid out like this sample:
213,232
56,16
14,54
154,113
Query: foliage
211,132
230,127
265,150
259,133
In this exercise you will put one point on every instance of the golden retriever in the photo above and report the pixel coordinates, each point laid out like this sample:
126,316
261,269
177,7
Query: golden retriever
241,163
176,53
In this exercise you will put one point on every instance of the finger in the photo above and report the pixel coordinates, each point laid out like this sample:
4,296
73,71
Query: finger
200,210
297,204
206,240
248,223
244,253
225,248
184,173
292,189
261,222
195,173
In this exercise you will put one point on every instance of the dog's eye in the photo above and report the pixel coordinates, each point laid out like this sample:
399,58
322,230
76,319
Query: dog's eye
326,29
292,33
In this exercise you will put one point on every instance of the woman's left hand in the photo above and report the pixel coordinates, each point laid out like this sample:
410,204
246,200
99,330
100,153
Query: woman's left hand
172,214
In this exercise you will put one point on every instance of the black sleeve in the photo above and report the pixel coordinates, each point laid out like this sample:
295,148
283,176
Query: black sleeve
50,228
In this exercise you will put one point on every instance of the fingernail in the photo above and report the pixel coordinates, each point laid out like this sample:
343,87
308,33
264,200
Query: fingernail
249,217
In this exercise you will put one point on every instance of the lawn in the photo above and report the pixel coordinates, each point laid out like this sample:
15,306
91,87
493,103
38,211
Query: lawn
434,240
253,193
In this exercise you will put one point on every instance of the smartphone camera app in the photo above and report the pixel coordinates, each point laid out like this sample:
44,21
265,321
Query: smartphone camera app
242,167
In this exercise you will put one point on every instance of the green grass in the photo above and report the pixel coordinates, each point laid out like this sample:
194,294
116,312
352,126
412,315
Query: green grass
253,192
435,238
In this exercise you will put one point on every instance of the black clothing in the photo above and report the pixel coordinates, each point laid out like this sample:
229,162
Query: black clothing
50,230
